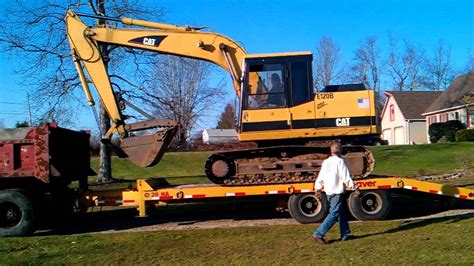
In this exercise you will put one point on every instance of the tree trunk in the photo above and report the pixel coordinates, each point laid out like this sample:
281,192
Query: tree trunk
105,162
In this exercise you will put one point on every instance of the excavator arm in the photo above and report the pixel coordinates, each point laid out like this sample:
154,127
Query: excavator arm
161,38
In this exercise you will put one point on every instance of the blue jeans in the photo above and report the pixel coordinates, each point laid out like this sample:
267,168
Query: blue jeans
337,211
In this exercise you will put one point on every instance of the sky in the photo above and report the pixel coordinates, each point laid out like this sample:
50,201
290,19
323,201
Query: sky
283,26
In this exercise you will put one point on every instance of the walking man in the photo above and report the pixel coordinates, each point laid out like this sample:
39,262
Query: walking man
334,177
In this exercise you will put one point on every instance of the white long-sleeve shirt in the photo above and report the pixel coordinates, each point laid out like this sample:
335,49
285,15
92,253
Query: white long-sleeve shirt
334,176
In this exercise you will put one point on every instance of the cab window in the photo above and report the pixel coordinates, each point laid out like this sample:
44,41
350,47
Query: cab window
301,89
266,86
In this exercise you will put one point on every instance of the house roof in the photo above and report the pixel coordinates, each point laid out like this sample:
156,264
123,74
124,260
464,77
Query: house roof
221,132
413,103
453,95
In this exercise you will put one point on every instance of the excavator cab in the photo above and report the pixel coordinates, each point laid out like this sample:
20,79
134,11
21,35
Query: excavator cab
273,83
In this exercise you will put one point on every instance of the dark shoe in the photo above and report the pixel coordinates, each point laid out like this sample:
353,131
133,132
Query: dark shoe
349,237
319,240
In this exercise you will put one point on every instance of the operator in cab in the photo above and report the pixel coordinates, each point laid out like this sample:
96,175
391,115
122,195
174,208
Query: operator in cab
276,95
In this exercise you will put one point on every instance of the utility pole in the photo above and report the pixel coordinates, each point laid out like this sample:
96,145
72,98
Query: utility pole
30,120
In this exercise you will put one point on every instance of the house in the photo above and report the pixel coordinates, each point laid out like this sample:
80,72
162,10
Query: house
455,103
402,122
214,136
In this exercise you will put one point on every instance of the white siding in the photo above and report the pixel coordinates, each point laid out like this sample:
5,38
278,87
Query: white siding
389,125
461,114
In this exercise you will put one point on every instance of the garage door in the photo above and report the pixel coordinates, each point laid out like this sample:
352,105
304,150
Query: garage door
387,135
399,136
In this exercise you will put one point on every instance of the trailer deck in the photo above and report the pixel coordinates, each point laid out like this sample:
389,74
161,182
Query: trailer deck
373,201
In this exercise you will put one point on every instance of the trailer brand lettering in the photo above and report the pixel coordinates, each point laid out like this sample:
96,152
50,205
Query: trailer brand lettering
366,184
342,122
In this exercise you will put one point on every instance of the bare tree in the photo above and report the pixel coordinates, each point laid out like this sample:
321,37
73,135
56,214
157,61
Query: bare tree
404,64
368,64
327,62
470,61
439,69
179,89
35,32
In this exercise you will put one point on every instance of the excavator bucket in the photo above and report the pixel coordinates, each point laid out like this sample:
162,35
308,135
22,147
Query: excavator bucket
147,150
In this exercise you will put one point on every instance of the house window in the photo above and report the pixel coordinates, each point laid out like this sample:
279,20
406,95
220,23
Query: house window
392,113
456,115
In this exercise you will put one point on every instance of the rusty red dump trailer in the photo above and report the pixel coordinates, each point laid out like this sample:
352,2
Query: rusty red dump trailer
36,167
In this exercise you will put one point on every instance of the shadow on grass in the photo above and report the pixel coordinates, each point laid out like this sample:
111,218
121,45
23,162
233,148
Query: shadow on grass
414,224
186,215
178,215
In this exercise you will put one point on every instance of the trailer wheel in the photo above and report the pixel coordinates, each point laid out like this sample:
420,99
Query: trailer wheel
370,205
16,213
306,208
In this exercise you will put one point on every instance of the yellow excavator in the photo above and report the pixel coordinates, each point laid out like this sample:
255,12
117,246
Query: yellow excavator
278,109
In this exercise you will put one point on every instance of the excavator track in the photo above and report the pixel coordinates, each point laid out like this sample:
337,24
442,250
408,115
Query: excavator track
281,164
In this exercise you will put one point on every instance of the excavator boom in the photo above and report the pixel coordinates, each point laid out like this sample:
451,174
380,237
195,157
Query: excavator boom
85,41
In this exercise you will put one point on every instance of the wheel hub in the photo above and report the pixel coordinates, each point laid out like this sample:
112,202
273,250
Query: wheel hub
10,215
371,203
309,206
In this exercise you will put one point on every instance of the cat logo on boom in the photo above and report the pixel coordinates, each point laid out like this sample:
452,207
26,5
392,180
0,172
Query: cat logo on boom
149,41
343,122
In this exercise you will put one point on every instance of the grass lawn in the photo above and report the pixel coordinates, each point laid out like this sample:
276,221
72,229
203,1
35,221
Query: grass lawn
415,160
435,241
177,167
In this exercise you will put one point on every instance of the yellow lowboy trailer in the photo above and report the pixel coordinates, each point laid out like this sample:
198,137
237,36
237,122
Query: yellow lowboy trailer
374,202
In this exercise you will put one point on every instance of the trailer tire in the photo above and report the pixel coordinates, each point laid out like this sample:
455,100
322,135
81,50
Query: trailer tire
370,205
306,208
16,213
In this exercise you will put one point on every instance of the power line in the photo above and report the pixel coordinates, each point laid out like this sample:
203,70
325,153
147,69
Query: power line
13,103
12,113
